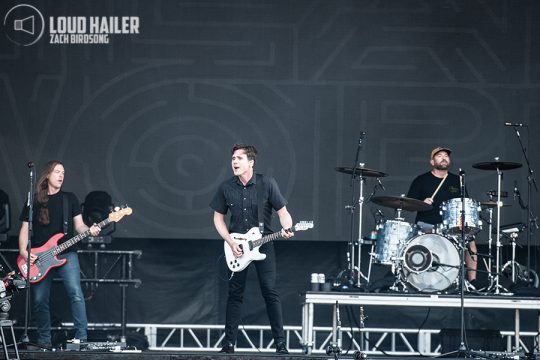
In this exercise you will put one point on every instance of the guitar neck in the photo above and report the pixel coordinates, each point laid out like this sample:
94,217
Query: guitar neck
268,238
74,240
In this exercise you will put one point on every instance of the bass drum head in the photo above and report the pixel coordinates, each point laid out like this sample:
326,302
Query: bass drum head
430,263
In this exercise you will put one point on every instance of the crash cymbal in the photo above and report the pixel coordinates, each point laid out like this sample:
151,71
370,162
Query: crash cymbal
492,204
401,202
361,171
494,165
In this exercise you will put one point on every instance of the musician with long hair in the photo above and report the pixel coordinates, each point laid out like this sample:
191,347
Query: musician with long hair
51,204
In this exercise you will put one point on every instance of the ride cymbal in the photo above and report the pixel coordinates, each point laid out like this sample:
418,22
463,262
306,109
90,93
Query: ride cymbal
497,165
401,202
361,171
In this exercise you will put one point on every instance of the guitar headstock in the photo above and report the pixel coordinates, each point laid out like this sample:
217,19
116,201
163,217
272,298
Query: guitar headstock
303,225
119,213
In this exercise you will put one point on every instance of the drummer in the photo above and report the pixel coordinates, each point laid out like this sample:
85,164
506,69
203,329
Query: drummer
435,187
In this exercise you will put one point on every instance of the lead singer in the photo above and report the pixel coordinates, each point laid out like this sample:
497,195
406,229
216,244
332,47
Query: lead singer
239,196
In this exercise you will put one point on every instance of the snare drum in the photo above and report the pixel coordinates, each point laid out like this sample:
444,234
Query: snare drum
392,235
451,211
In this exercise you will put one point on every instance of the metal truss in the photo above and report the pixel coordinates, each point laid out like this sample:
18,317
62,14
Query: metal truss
534,336
258,338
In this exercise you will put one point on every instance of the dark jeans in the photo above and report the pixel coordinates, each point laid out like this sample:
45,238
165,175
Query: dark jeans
266,271
70,274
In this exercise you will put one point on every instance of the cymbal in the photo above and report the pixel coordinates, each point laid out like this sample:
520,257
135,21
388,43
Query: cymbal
361,171
401,202
492,204
494,165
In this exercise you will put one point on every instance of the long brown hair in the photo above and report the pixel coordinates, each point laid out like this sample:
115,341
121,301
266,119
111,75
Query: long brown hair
42,187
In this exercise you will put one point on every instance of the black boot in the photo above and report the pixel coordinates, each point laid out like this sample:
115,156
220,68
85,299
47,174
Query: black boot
281,348
228,348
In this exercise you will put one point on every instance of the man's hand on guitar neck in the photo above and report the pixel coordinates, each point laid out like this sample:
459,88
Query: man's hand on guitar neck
287,233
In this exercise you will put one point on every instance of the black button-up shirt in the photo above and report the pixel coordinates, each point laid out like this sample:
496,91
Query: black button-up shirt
241,201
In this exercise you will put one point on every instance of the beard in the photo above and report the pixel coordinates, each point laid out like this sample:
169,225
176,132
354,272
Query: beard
440,166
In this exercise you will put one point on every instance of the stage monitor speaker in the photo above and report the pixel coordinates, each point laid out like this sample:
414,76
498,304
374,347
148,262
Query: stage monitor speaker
484,340
5,219
96,208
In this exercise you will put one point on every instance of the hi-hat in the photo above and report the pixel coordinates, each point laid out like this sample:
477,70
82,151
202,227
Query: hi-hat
361,171
491,204
401,202
497,165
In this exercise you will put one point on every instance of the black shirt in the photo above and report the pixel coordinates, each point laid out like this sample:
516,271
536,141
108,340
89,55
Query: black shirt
424,186
42,233
241,201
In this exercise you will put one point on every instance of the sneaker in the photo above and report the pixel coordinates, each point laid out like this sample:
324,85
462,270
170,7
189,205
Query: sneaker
281,348
228,348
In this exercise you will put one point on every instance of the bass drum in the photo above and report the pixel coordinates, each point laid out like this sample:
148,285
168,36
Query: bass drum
430,263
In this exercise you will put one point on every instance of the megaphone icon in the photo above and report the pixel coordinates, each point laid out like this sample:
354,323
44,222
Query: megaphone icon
26,25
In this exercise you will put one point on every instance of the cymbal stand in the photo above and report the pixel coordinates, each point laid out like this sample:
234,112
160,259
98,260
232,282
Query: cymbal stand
498,236
360,239
490,243
512,262
351,255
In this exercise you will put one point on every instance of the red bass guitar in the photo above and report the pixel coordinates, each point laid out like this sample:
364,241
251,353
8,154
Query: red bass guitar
47,253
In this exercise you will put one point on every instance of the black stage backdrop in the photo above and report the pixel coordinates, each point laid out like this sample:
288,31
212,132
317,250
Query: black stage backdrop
151,115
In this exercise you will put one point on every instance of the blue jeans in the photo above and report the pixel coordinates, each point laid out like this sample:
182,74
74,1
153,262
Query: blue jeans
70,274
266,271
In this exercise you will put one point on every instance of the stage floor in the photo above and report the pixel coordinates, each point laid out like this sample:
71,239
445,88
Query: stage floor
153,355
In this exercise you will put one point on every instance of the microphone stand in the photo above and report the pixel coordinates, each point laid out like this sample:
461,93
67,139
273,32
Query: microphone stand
462,348
462,351
24,338
531,219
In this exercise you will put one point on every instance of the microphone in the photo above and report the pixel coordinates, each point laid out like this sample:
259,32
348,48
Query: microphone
461,173
362,136
380,184
30,164
514,124
380,213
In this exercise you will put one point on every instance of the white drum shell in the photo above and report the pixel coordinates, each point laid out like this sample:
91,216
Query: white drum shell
391,238
451,213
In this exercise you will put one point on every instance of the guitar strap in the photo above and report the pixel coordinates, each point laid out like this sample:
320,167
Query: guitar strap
260,199
66,212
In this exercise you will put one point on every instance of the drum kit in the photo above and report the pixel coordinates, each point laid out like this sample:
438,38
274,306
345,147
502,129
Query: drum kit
429,262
